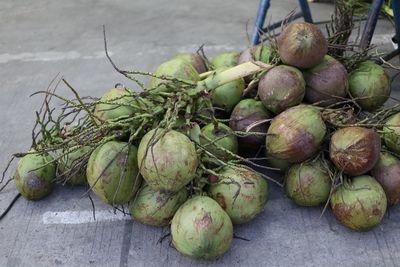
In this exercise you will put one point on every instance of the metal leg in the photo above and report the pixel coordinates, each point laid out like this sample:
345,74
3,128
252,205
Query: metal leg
305,10
262,12
369,29
396,12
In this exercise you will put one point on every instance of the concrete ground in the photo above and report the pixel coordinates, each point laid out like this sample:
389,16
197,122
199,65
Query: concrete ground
40,38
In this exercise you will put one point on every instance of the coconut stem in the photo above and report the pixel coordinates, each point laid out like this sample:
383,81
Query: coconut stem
229,75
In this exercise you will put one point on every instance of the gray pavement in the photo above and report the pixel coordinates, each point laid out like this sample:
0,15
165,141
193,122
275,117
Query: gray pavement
40,38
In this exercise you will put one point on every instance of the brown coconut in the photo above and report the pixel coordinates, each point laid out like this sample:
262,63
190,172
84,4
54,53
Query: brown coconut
302,45
355,150
326,83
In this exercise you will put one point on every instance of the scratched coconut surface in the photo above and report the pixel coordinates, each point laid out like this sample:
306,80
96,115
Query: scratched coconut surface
41,38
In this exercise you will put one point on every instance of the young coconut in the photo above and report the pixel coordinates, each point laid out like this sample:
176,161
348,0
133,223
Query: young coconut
326,83
360,203
246,113
281,87
156,208
391,133
308,184
302,45
35,175
201,229
114,104
218,139
387,173
195,60
72,168
167,160
369,85
174,68
355,150
112,172
228,59
242,193
228,95
296,134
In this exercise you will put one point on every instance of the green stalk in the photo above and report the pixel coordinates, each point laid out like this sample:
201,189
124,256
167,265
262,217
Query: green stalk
229,75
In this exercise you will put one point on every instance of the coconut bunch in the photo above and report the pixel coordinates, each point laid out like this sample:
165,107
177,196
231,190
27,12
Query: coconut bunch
164,153
184,150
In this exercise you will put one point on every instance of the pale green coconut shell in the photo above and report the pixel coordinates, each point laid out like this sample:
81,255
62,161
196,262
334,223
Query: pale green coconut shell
308,184
175,68
370,83
228,59
391,133
170,163
228,95
195,60
71,168
296,134
112,172
154,207
360,203
242,193
34,176
225,139
201,229
118,98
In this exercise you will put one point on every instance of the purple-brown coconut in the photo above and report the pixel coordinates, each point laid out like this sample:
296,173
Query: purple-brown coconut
355,150
281,87
302,45
387,173
326,83
246,113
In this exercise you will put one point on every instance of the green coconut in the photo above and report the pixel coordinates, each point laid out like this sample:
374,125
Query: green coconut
302,45
387,173
369,85
308,184
228,59
360,203
35,175
201,229
73,167
281,87
156,208
296,134
326,83
217,139
167,162
174,68
112,172
391,133
355,150
228,95
114,104
195,60
242,193
246,113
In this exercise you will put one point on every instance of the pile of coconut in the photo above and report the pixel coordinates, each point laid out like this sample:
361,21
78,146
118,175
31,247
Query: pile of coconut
187,150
